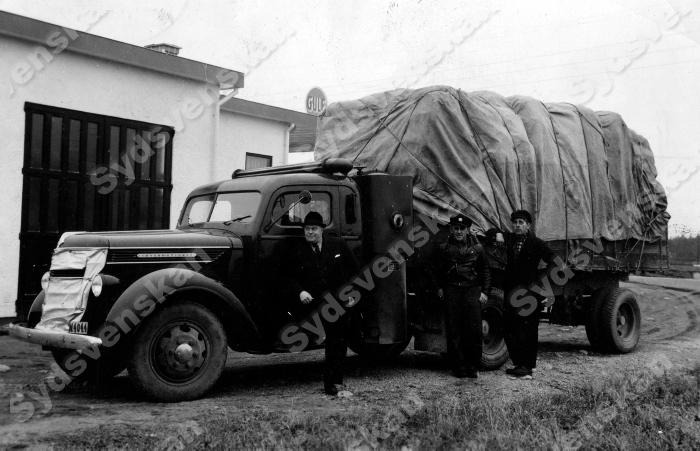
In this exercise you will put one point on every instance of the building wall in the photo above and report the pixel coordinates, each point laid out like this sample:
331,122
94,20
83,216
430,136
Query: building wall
239,133
96,86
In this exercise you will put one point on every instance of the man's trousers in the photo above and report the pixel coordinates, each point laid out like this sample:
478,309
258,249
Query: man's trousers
463,323
521,334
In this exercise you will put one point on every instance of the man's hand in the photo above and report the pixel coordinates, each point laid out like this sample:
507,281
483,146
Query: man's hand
352,301
483,298
440,293
305,297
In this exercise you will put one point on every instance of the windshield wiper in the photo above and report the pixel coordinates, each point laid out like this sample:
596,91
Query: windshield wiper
240,218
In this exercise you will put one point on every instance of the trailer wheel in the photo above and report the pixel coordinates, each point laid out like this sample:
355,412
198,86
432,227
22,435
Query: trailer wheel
494,352
178,353
620,321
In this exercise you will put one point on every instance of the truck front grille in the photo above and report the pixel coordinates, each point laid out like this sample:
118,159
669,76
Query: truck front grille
78,273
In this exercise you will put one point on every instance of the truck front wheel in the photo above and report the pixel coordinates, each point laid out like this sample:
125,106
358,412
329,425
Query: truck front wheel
178,353
620,321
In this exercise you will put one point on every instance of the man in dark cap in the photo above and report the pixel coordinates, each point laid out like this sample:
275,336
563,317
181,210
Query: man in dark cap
528,260
313,267
462,277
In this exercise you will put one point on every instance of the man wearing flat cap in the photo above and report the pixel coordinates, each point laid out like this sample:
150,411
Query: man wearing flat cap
315,266
528,260
462,277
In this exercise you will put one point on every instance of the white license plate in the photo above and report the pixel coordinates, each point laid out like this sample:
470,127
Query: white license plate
78,327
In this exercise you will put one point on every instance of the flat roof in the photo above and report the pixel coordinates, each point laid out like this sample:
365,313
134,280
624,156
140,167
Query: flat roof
263,111
36,31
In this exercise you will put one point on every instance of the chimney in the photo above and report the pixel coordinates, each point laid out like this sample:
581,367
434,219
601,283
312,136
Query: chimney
169,49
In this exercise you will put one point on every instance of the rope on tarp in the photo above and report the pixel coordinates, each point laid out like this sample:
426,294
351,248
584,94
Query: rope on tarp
482,150
563,182
447,184
515,152
588,164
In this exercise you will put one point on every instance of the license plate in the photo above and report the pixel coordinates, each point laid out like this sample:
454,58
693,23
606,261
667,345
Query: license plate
78,327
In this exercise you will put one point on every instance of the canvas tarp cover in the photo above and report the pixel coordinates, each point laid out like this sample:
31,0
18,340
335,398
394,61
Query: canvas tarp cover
583,174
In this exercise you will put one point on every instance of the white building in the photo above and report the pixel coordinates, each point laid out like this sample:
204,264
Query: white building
102,135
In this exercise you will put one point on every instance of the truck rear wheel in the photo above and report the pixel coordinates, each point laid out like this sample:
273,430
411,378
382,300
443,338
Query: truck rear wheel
494,352
620,321
179,353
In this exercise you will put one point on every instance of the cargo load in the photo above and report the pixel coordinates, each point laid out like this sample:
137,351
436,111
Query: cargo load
583,174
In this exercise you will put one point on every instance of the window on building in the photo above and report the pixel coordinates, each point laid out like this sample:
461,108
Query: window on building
256,160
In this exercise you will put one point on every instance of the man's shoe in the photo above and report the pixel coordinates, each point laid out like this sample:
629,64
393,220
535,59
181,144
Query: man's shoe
460,373
511,371
330,389
471,374
522,373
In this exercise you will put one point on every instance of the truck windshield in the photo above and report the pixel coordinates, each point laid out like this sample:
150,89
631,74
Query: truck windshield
221,208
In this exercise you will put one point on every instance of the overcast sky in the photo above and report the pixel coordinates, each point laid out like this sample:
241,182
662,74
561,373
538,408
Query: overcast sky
639,58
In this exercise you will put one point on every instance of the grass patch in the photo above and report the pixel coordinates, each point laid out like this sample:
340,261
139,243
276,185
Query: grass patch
628,412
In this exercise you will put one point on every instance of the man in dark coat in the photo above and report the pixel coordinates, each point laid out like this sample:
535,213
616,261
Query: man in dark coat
462,276
528,262
321,264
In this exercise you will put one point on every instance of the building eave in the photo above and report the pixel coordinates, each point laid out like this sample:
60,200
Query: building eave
273,113
38,32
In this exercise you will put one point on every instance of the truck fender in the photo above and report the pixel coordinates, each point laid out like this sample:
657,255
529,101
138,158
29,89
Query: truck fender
155,289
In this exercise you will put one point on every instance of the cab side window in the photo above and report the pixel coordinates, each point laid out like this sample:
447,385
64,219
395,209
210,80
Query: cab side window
294,217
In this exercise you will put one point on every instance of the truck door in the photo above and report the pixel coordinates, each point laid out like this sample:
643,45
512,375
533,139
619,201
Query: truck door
271,297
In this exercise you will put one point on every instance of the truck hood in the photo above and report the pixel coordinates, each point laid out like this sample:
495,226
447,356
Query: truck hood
152,239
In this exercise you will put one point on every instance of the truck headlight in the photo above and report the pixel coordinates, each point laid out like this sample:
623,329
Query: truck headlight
96,285
45,280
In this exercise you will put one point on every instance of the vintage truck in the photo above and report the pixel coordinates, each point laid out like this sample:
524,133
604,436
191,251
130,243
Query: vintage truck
167,304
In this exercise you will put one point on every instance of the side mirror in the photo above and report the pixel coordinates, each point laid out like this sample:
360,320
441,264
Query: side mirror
304,197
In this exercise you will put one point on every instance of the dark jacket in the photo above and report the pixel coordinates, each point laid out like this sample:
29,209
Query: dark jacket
305,271
466,264
525,269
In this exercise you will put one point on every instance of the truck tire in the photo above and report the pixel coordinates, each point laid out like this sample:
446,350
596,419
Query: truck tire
376,352
178,353
494,352
620,321
593,322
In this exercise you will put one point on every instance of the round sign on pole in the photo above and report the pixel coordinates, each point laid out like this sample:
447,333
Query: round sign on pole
315,102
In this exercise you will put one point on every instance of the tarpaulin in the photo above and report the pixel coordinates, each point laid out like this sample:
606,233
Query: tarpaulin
583,174
66,297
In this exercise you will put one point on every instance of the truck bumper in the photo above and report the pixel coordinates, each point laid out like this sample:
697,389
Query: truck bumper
53,339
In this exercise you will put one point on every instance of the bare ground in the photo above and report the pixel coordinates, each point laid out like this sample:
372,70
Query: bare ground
278,388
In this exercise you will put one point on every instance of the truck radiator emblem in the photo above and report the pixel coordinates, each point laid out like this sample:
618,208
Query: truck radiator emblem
167,255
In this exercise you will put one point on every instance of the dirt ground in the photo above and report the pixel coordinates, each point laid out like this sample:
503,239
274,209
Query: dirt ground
291,383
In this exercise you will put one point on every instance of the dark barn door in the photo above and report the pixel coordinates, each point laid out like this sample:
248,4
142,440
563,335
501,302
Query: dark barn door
87,172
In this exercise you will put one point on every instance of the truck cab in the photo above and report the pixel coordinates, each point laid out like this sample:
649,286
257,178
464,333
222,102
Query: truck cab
167,304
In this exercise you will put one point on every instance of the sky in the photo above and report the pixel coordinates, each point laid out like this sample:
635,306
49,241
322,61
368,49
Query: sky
638,58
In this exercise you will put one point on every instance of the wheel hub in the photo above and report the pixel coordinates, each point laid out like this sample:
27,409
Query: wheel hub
180,352
484,328
183,353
